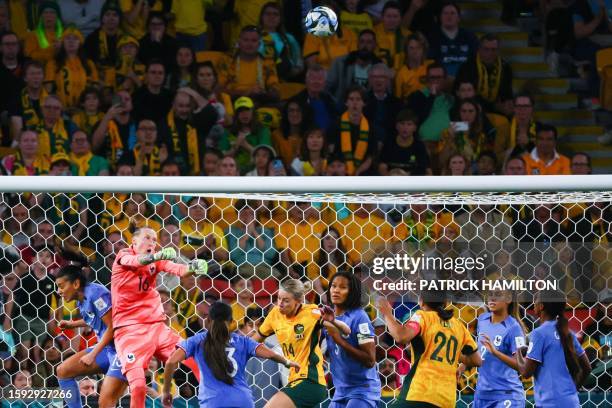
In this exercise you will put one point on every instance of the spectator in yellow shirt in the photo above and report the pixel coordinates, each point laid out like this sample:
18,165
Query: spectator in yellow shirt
354,17
298,238
390,33
411,66
200,238
248,73
42,43
190,22
245,299
324,50
364,233
544,158
136,14
70,72
246,13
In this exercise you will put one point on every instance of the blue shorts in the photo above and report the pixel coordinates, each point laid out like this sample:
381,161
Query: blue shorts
109,363
353,402
500,402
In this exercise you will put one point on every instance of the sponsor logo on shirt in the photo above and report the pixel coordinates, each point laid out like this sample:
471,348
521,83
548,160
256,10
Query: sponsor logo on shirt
130,357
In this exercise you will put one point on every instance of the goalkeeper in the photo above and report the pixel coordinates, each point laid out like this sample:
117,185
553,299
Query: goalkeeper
138,315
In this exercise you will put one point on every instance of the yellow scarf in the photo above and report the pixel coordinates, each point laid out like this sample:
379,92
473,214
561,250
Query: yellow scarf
39,166
116,145
87,122
353,158
56,140
193,150
488,84
81,162
152,163
71,81
31,116
531,133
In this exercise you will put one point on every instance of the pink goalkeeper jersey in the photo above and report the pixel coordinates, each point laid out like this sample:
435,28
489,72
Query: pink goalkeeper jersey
133,289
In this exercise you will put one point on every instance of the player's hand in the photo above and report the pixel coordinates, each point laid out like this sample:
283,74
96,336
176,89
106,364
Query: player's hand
65,324
198,266
88,359
167,400
384,307
460,370
327,313
166,254
486,341
292,364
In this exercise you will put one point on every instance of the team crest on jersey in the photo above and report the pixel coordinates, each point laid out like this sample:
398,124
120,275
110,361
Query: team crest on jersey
299,331
497,341
130,357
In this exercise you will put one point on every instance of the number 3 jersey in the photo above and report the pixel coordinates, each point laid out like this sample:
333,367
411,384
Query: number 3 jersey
212,392
133,289
299,338
435,358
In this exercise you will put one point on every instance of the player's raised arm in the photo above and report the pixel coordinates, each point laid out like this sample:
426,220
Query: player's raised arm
144,245
401,333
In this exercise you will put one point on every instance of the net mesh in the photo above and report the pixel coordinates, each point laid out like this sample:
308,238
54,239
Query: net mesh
253,242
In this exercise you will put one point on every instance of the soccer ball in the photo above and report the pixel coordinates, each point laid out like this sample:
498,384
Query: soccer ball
321,21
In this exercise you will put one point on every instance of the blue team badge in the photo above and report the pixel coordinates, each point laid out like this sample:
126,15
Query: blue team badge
497,341
299,331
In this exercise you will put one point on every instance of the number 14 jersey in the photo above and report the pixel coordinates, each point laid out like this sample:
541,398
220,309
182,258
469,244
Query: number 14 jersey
435,358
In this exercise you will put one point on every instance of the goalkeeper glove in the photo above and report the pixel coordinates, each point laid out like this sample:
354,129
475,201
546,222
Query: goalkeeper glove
198,266
166,254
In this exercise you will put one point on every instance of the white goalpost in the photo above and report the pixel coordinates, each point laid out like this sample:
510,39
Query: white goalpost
256,231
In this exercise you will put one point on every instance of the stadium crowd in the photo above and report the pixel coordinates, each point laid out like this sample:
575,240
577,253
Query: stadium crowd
235,88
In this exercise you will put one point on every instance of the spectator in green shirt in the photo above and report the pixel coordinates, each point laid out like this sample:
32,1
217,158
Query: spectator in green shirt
244,135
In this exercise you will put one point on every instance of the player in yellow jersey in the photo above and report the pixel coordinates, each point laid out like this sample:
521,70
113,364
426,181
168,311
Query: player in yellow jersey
439,342
298,329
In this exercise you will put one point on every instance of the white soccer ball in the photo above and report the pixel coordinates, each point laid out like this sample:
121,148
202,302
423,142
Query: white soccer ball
321,21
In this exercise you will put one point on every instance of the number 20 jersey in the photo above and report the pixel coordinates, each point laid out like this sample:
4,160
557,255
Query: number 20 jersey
435,358
133,289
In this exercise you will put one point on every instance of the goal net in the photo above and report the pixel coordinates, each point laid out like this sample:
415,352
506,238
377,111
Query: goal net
394,242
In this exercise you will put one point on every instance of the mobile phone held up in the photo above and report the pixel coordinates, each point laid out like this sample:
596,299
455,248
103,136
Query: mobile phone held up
460,126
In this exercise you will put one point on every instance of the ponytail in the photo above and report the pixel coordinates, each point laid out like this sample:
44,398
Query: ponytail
437,301
554,305
218,338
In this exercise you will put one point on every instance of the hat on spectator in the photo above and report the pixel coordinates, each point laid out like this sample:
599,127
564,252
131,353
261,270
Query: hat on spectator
244,102
264,147
59,157
72,30
127,39
50,5
110,5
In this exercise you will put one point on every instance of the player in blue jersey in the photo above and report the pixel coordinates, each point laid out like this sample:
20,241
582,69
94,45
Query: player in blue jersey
500,335
554,357
352,358
222,357
94,304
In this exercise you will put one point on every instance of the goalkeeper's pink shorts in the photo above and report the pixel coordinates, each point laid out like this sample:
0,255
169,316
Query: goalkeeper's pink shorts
137,343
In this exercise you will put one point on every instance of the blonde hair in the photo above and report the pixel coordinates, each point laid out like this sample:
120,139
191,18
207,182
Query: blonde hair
295,288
